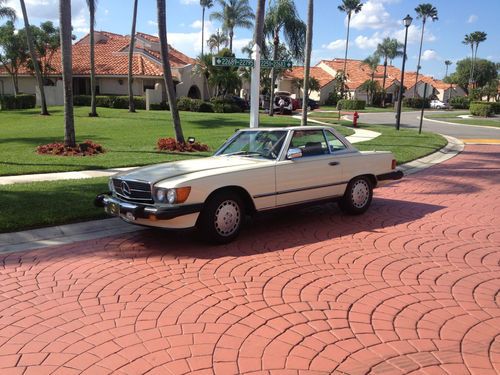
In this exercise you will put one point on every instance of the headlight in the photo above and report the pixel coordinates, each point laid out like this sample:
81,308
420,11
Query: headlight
174,195
111,186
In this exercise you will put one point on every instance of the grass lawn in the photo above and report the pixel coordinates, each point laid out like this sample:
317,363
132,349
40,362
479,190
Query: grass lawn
366,110
452,117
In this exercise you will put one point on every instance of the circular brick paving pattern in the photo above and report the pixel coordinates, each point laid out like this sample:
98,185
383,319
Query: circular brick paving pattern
412,286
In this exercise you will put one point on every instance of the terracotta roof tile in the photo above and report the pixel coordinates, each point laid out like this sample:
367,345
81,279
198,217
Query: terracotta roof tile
321,75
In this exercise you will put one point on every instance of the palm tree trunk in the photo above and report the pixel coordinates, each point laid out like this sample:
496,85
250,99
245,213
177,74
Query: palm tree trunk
383,82
202,28
66,57
307,62
344,73
131,104
231,35
273,72
36,66
419,56
167,73
93,111
474,65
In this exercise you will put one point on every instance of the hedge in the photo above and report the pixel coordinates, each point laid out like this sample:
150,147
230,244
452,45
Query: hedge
184,103
163,106
351,104
416,103
109,101
495,106
483,109
21,101
460,102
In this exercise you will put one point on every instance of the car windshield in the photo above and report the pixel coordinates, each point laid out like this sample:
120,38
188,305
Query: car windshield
260,143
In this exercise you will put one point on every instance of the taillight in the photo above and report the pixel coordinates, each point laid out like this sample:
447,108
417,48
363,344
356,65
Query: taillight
393,165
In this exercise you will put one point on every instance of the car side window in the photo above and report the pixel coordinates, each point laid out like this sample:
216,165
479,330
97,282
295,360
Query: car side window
334,144
310,142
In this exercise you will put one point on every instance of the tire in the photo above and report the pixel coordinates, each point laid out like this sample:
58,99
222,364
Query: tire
222,217
357,197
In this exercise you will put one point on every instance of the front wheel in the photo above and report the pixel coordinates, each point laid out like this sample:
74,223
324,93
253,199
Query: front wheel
357,197
221,219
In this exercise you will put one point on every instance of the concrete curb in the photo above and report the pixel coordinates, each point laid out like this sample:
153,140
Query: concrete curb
91,230
454,123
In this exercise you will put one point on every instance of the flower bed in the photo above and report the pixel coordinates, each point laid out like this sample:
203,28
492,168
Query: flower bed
170,144
87,148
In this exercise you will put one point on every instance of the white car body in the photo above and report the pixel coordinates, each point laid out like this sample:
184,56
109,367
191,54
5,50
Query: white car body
438,104
262,184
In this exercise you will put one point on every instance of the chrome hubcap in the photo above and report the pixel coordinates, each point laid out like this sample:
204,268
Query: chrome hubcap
227,218
360,193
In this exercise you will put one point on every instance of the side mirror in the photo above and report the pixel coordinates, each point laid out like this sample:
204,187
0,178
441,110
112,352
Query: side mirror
294,153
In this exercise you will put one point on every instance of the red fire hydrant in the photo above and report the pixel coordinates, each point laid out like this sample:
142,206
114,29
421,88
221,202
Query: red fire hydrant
355,119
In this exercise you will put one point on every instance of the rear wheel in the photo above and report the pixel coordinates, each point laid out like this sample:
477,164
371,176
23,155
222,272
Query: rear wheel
221,219
357,197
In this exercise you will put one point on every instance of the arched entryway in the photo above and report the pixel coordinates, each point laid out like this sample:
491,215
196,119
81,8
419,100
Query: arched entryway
194,92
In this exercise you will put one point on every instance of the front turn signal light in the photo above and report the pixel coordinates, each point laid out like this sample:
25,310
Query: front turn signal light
183,194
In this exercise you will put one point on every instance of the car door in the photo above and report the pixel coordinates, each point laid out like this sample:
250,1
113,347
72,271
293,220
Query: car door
315,175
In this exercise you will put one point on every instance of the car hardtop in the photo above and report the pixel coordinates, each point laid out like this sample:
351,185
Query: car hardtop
288,128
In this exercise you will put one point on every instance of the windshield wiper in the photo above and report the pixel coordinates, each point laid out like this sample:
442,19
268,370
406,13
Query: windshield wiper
244,153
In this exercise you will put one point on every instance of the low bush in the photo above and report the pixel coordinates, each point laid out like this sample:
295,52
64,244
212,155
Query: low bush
82,100
416,103
483,109
121,102
21,101
163,106
460,102
170,144
184,103
198,105
495,106
351,104
87,148
333,98
109,101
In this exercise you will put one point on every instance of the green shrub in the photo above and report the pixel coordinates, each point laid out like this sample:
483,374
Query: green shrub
206,107
103,101
351,104
416,103
495,106
121,102
163,106
81,100
21,101
184,103
109,101
333,98
223,106
483,109
198,105
460,102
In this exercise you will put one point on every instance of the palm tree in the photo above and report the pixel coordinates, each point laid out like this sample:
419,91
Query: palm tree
307,62
167,73
235,13
282,15
447,63
6,12
424,11
477,38
36,66
469,41
92,4
216,41
205,4
349,7
372,62
131,104
389,49
67,73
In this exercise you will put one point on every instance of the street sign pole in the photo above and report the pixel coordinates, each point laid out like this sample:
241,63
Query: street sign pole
254,88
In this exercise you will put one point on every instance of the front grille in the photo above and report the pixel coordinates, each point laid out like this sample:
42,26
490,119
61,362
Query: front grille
133,191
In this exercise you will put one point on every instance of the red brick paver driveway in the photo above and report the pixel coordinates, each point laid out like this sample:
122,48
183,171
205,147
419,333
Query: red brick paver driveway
410,287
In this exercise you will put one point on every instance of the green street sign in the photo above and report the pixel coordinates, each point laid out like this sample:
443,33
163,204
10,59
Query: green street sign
280,64
235,62
232,61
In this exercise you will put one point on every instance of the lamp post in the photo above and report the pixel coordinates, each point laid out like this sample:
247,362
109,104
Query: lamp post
407,22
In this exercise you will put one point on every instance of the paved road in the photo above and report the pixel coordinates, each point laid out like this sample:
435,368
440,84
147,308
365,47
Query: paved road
411,120
411,287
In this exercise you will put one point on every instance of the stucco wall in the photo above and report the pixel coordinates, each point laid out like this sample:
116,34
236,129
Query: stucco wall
26,85
188,79
112,86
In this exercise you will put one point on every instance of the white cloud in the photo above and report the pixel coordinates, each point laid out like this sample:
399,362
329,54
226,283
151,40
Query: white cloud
197,25
152,23
335,45
430,54
414,33
373,15
190,2
364,42
472,18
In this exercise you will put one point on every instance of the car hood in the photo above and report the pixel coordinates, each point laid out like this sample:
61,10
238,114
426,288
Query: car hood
164,171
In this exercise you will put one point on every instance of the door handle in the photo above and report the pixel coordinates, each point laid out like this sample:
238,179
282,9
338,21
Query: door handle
333,163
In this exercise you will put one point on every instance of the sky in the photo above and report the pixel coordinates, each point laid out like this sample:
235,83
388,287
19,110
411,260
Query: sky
377,20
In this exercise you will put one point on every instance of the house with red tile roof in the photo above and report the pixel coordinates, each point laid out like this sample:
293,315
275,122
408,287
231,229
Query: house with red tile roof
111,66
358,73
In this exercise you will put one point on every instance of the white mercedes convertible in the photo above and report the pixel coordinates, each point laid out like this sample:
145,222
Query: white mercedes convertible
255,170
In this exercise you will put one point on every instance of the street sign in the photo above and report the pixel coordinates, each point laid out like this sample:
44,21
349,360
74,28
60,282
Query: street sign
232,61
235,62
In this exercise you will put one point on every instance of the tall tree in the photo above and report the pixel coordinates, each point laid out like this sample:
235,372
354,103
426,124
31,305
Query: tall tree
34,59
372,62
477,38
216,41
92,4
282,16
485,71
131,104
424,11
389,49
67,73
469,41
205,4
349,7
447,63
13,52
307,62
234,13
167,72
7,12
